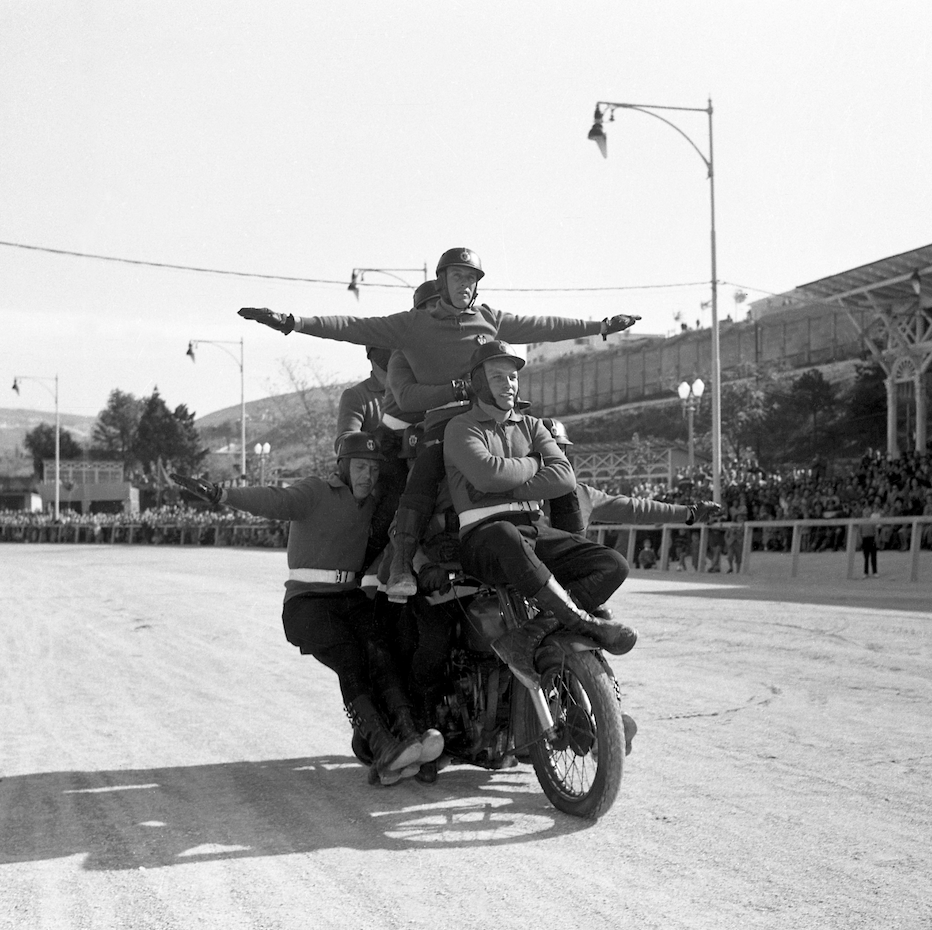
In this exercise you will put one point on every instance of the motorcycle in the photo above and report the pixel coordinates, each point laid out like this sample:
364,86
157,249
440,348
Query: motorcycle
568,723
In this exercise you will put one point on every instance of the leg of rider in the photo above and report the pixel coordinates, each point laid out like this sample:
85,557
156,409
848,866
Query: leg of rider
502,552
436,623
393,474
330,628
388,682
414,512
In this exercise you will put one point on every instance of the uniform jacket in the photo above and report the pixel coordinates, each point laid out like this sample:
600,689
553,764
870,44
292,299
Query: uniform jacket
491,462
360,409
329,528
438,341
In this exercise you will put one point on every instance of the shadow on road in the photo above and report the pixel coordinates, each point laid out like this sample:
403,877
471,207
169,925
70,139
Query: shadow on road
151,818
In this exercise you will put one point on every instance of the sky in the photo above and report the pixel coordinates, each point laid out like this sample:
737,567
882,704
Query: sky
303,140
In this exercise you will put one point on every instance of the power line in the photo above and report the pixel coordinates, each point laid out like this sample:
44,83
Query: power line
278,277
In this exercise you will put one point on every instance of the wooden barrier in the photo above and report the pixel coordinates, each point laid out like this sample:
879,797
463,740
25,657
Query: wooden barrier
796,526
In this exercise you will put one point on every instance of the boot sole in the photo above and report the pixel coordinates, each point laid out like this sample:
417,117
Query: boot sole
405,588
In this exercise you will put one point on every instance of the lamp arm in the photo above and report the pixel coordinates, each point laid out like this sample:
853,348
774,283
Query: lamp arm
630,106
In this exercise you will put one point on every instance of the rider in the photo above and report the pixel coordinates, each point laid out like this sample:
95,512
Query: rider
500,464
325,614
437,343
596,506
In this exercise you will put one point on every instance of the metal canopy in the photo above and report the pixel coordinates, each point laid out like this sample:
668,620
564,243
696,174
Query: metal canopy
884,282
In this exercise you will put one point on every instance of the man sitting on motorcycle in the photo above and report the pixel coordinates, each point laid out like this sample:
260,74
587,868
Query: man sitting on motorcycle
325,613
500,464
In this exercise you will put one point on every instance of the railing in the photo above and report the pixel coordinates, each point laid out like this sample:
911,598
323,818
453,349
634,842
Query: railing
800,530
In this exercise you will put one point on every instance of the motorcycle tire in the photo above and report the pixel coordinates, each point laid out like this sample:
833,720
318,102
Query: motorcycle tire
580,770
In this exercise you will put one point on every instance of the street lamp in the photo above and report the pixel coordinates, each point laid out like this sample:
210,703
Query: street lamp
262,449
223,343
691,395
597,135
43,381
358,276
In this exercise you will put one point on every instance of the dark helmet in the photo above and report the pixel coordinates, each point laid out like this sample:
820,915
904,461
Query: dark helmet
379,356
426,291
495,348
558,431
359,445
461,256
412,435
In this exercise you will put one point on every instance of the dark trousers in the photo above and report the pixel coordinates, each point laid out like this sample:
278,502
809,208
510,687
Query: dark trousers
420,493
334,629
869,548
524,553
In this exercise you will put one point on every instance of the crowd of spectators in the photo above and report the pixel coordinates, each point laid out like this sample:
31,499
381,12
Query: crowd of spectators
168,524
900,487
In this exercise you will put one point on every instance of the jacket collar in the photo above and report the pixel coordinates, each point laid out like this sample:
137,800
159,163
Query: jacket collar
488,413
444,311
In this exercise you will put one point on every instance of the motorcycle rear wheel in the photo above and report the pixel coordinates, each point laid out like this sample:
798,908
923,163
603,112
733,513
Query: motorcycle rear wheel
580,771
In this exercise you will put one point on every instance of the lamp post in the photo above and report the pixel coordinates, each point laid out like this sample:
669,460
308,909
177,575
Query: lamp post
44,382
262,449
597,135
222,343
691,395
358,276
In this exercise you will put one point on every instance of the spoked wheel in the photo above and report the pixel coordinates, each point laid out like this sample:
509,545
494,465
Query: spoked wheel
580,770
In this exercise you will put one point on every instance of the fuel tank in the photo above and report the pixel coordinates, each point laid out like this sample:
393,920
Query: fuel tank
485,622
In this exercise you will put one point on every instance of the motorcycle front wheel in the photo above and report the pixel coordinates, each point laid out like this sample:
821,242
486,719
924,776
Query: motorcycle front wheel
580,769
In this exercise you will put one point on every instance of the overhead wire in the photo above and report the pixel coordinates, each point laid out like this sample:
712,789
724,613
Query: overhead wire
303,280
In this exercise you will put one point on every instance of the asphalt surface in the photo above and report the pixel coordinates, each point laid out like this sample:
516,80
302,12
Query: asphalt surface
167,760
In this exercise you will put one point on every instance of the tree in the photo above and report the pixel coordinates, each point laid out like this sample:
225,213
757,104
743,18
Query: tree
167,437
115,430
813,400
867,408
40,443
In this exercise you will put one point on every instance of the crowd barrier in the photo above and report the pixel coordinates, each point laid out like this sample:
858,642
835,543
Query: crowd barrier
759,534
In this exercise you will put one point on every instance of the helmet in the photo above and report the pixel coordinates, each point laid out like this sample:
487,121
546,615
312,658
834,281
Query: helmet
495,348
461,256
558,431
359,445
412,435
424,292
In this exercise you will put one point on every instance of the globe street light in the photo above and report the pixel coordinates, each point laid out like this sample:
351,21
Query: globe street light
262,449
44,382
597,135
690,395
192,345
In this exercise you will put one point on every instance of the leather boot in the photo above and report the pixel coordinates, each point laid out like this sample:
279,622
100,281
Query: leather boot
611,635
405,727
516,648
391,756
409,525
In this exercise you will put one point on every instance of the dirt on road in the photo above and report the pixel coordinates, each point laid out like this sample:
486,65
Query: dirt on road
167,760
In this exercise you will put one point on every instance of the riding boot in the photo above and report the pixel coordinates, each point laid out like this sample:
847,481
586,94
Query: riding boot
516,648
391,756
399,708
409,526
611,635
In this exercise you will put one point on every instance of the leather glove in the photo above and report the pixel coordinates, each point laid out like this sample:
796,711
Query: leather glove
433,578
206,490
280,321
617,324
702,512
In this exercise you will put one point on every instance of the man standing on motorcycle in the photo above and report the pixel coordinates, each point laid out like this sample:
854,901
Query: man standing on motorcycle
325,613
500,464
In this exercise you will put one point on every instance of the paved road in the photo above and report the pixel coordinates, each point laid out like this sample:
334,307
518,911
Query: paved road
168,761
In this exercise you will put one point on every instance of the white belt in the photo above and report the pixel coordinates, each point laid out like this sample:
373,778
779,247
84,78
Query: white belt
320,575
393,422
453,403
468,517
